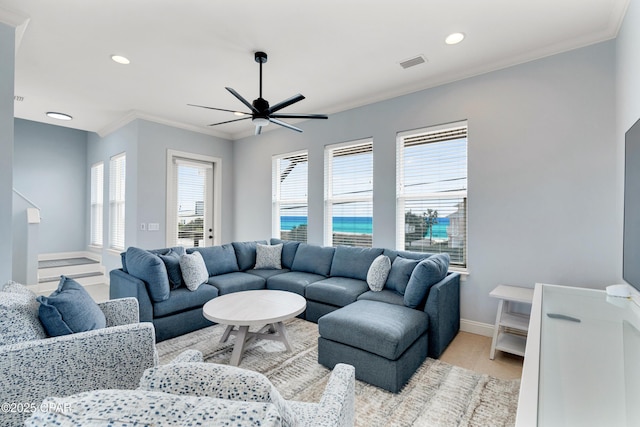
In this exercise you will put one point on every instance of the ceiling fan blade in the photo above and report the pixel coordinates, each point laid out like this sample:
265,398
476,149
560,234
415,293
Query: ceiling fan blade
218,109
283,124
286,103
229,121
244,101
299,116
258,130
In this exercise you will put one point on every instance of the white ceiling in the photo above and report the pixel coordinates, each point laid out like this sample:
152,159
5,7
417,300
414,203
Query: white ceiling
340,54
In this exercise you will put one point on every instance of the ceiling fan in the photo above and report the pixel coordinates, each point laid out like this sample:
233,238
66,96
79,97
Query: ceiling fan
261,113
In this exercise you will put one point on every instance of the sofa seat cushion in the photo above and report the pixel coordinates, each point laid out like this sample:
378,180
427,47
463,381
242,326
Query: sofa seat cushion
338,291
385,295
236,282
376,327
294,281
146,408
353,262
266,273
182,299
313,259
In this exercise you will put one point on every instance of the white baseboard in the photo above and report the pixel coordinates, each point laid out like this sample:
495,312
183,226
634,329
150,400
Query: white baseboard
477,328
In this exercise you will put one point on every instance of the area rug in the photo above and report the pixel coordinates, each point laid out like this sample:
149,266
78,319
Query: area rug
438,394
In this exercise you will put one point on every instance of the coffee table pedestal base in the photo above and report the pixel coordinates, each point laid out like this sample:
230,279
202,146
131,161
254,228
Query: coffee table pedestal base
273,331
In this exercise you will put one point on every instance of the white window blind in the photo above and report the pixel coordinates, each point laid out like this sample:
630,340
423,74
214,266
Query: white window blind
117,175
192,180
97,200
432,191
290,174
348,213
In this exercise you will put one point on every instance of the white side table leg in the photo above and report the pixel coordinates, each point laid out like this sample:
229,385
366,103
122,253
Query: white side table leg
496,330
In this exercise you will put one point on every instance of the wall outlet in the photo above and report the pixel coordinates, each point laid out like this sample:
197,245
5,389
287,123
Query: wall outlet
153,226
143,226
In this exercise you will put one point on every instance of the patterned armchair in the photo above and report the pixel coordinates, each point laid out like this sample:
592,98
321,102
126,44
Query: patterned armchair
114,357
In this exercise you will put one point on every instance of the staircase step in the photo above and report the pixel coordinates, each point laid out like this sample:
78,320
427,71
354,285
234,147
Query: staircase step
71,276
66,262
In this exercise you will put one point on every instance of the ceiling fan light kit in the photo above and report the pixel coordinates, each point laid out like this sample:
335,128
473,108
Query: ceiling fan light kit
261,114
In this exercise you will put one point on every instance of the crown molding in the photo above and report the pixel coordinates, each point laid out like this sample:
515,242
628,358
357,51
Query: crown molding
17,20
137,115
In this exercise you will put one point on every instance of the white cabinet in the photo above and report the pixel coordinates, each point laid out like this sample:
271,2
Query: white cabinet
510,329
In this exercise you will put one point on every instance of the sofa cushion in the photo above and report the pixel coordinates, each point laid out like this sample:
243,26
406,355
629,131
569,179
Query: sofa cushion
337,291
378,273
219,381
392,254
269,256
236,282
289,250
426,274
172,264
353,262
377,327
194,271
218,259
70,309
265,274
385,295
19,315
182,299
149,268
313,259
293,281
177,249
246,253
401,270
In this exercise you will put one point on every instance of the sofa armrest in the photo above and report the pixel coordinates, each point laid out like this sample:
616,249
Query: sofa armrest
121,311
443,309
123,285
337,404
109,358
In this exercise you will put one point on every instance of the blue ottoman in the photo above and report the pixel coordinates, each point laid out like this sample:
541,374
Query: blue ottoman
386,343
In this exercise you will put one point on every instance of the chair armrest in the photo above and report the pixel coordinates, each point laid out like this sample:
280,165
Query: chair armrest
121,311
109,358
443,309
337,405
123,285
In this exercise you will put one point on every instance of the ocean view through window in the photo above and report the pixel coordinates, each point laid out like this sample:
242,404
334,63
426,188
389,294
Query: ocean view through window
431,179
348,207
289,196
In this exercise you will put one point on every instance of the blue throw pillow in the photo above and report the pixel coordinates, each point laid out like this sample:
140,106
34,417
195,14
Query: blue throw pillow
172,263
426,274
246,254
149,268
69,309
401,270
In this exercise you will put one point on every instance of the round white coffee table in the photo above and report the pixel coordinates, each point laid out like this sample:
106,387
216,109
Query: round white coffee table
251,308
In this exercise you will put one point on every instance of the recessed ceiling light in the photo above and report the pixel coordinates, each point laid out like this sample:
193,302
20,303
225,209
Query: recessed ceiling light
120,59
59,116
454,38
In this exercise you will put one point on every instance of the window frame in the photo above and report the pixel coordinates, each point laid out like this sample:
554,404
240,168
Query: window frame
277,199
117,201
96,205
402,197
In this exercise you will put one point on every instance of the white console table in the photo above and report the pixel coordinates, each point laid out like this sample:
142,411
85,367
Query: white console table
582,360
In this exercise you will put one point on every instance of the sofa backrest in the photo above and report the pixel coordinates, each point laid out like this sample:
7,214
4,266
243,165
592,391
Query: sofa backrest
218,259
313,259
246,253
289,250
353,262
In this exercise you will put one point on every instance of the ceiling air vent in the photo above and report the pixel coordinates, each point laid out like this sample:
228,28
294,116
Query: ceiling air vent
417,60
18,98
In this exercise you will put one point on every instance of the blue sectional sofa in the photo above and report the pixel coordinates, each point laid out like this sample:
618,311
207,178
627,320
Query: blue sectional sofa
393,329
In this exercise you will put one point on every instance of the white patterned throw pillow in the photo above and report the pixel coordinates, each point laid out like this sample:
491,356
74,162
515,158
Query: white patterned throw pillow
269,256
194,270
378,273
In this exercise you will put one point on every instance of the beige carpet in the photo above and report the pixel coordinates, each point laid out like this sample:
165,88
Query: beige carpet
438,394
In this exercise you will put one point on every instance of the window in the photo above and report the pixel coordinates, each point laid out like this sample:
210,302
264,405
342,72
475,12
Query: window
289,196
97,198
432,191
348,217
117,174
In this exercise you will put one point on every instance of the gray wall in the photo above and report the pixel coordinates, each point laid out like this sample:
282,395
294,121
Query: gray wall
7,61
49,168
146,145
542,162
